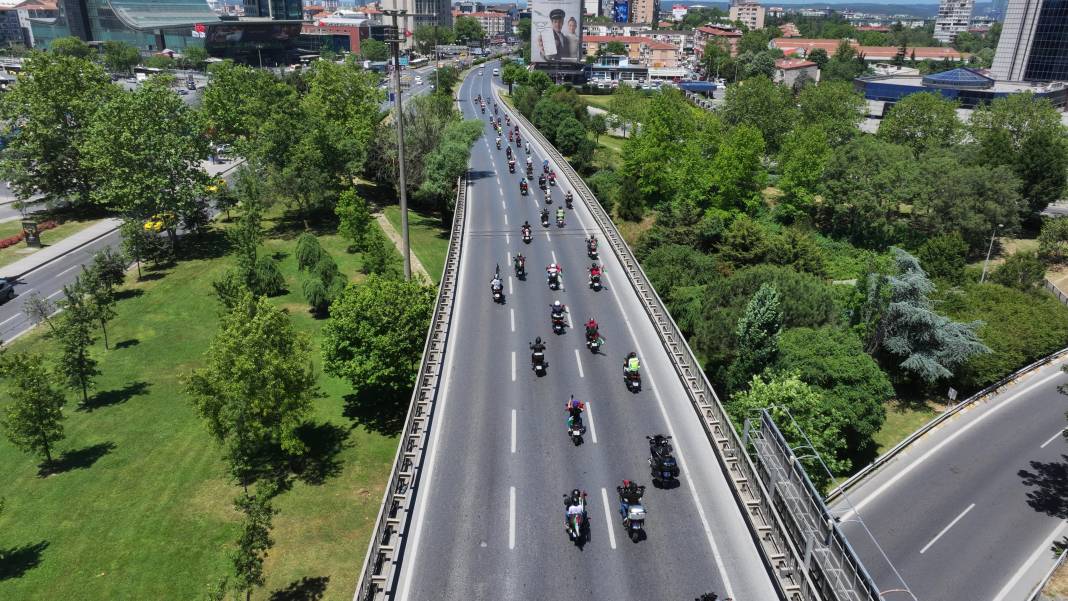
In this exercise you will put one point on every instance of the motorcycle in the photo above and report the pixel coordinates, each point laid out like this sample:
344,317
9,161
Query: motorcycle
552,178
633,379
498,143
530,171
548,197
575,430
523,187
569,201
520,264
511,166
633,519
545,219
541,182
576,524
526,235
591,249
554,281
663,467
558,323
498,292
593,342
538,363
559,221
595,282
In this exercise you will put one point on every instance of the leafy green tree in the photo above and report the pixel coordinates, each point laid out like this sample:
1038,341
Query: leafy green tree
851,382
33,421
629,203
354,218
100,296
802,161
673,266
379,256
240,101
911,336
1024,133
819,56
342,106
39,309
922,122
539,81
323,284
74,333
254,541
757,336
446,163
666,123
845,66
374,50
569,135
70,46
944,257
160,61
53,105
513,74
598,125
425,38
801,414
195,58
304,183
257,385
468,29
1021,270
120,57
762,104
833,106
628,105
157,168
109,267
136,243
614,47
1053,240
308,251
376,333
738,171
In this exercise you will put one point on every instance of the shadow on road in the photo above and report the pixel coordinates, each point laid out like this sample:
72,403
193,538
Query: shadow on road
1050,480
17,561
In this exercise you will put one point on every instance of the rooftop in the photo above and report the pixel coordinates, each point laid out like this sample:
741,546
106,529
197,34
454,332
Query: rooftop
716,31
793,63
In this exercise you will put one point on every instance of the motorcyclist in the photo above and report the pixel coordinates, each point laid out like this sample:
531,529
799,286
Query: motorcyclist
545,166
552,272
525,229
629,494
568,198
536,347
595,271
552,177
591,244
509,136
507,120
574,412
508,152
545,217
520,261
498,142
591,329
541,182
495,284
575,503
557,310
522,186
560,214
548,196
632,365
528,149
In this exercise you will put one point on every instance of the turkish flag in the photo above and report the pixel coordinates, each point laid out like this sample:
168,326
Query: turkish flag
199,28
407,33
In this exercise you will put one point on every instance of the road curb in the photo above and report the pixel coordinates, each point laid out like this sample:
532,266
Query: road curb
60,256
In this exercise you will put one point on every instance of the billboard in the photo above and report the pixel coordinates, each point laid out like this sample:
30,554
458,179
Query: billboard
556,31
620,11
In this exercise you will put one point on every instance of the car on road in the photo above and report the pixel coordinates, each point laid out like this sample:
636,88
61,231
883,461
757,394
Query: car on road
7,289
418,80
481,72
496,72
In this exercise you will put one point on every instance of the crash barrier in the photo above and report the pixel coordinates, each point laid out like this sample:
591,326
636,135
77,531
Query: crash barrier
1036,593
379,575
936,421
777,549
1061,296
835,569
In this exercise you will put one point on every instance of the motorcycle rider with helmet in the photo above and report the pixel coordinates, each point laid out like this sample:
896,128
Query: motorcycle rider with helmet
536,347
560,214
545,217
595,273
553,272
630,493
631,365
591,329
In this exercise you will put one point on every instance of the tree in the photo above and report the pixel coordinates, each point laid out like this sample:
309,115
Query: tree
255,539
802,416
240,102
512,74
666,123
342,107
308,251
1053,240
446,163
738,172
917,341
74,333
819,56
851,382
468,29
802,162
762,104
629,204
120,57
379,256
304,182
354,218
156,171
53,106
425,38
374,50
100,296
922,122
70,46
628,105
38,308
33,421
374,341
845,66
160,61
598,125
944,257
257,385
1021,270
323,284
757,336
614,47
1024,133
569,135
195,58
833,106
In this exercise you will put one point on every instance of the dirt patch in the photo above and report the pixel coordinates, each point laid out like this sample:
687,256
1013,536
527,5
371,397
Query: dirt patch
1057,587
632,231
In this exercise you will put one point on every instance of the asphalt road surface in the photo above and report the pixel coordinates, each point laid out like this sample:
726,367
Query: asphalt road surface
969,511
489,513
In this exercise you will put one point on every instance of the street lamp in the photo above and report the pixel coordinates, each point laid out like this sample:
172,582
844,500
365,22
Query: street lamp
993,235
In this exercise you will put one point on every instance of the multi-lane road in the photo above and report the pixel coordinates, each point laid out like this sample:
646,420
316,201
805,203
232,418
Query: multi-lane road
489,513
969,511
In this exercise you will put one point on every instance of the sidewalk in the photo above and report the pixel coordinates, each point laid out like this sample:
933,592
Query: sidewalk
52,252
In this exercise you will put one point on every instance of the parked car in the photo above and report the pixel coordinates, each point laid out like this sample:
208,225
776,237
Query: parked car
7,289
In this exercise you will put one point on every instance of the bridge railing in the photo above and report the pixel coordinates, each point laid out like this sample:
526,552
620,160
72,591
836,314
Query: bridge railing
762,518
378,578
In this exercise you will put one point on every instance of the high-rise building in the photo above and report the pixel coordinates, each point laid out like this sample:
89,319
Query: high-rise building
420,13
644,11
749,13
1034,42
954,16
592,7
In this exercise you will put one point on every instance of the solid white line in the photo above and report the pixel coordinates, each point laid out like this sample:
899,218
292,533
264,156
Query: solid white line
511,316
946,529
513,366
1042,549
1051,439
554,256
578,362
589,420
56,293
608,518
919,460
511,517
513,431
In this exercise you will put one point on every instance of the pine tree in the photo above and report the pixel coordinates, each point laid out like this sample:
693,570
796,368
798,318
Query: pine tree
758,337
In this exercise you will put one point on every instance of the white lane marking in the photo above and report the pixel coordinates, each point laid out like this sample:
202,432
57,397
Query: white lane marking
946,529
1042,549
547,236
578,361
511,316
506,219
507,238
513,431
503,206
501,188
510,286
1051,438
2,323
509,254
608,518
589,420
857,506
513,366
554,257
56,293
67,270
511,516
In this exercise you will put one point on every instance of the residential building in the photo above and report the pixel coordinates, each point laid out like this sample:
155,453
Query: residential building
613,69
679,12
11,32
789,30
775,12
493,23
470,7
750,13
644,11
24,11
727,38
788,71
419,13
640,50
968,87
1034,42
801,47
954,16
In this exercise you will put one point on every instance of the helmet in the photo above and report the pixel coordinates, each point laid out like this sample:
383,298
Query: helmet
556,304
632,355
537,340
593,266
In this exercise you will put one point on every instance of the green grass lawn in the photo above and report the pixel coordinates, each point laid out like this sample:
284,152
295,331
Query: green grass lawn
597,100
68,228
902,419
429,240
144,512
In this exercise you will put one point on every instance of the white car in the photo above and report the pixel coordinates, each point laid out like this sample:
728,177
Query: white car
481,72
418,80
496,72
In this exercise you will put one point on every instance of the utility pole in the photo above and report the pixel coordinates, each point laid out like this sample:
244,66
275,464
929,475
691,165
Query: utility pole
395,42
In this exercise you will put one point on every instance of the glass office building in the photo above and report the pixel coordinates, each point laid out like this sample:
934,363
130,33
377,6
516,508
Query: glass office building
150,25
967,87
1034,42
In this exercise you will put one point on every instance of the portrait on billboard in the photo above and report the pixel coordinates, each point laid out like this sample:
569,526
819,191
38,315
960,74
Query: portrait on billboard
556,31
620,11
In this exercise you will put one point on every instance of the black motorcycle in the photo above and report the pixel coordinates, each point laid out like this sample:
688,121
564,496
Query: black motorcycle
662,465
520,265
538,363
569,201
526,235
575,430
558,323
545,219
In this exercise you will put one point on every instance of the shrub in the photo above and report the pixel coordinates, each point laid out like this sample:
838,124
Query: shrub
267,278
944,257
1022,271
308,251
1053,240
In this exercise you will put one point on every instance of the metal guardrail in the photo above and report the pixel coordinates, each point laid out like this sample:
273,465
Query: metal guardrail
1036,593
882,460
1061,296
379,575
762,518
